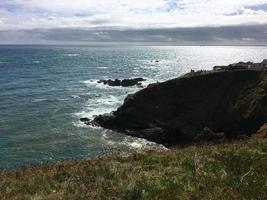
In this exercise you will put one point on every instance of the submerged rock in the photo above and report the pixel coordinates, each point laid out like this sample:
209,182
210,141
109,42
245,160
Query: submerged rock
123,83
193,108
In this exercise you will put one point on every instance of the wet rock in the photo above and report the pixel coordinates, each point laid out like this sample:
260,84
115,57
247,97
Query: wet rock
84,119
88,121
123,83
131,82
110,82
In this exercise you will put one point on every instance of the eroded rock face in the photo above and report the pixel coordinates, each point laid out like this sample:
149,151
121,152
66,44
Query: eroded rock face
262,132
123,83
188,109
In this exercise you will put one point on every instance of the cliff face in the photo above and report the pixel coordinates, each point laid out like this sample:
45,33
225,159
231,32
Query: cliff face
229,103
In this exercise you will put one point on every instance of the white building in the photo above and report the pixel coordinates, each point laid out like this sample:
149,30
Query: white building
264,63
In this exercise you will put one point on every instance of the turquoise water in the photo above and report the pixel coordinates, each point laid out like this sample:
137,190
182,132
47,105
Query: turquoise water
44,90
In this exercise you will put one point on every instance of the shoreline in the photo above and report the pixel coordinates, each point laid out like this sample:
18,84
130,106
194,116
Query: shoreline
156,112
207,164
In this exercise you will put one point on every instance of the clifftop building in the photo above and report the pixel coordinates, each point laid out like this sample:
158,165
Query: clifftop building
243,66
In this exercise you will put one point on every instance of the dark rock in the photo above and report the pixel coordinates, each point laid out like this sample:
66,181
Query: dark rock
88,121
139,85
84,119
106,118
123,83
131,82
262,132
116,82
110,82
208,135
179,110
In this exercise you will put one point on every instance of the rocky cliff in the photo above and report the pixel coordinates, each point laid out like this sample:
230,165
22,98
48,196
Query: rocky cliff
193,108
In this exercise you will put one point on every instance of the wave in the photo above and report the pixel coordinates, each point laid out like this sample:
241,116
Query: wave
80,124
94,83
43,99
38,100
72,55
90,82
75,96
128,142
100,104
62,99
98,107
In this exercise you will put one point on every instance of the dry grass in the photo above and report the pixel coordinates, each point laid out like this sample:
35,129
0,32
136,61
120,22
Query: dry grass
225,171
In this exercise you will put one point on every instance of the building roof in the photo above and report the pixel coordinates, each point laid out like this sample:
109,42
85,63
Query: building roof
264,61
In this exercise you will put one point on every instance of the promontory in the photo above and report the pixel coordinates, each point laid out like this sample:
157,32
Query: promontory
199,106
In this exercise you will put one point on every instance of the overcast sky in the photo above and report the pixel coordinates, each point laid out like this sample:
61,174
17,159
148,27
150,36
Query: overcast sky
184,22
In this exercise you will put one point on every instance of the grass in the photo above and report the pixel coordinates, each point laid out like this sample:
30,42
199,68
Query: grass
224,171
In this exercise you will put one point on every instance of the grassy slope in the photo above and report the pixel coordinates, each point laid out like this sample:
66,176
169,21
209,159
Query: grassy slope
225,171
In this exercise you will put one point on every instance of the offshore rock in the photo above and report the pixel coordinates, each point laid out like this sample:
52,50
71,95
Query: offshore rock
123,83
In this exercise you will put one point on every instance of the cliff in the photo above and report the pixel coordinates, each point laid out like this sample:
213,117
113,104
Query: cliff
192,108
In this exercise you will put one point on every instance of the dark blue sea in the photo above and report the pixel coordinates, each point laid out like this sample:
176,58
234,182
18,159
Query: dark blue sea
44,90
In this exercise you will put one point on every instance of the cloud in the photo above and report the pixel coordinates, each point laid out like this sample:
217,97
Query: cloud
166,21
129,14
229,35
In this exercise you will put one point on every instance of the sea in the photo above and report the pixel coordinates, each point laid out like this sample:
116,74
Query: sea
45,90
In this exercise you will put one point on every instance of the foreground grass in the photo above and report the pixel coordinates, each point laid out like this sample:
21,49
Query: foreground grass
225,171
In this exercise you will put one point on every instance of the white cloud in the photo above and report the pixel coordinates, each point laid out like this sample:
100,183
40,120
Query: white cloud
248,39
136,14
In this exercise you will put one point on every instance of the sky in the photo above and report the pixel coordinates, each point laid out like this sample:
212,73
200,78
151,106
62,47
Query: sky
174,22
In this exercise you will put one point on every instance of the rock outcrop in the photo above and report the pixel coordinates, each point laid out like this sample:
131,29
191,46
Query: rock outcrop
194,108
262,132
123,83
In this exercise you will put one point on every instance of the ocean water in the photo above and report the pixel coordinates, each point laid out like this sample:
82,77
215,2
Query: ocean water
44,90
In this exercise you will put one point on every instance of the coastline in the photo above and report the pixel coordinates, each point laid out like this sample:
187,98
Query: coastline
198,106
214,165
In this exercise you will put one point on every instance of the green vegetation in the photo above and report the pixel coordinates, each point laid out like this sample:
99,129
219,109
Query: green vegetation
223,171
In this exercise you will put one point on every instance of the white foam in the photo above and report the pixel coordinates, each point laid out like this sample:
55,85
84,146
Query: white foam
72,54
131,142
79,124
147,81
101,105
59,99
106,103
109,100
38,100
136,143
90,82
75,96
36,62
94,83
92,112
